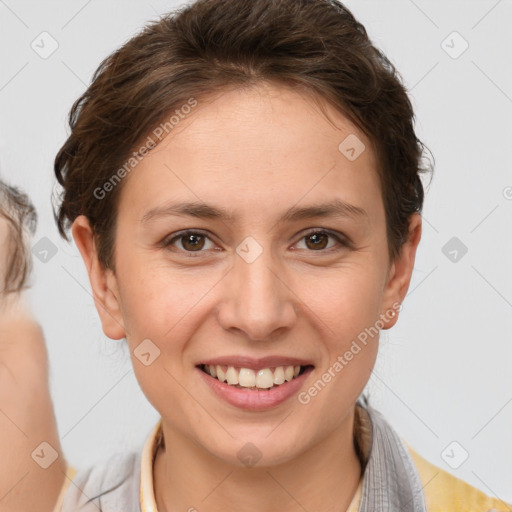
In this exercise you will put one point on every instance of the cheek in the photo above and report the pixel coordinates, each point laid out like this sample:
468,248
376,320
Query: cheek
158,302
346,311
347,302
349,318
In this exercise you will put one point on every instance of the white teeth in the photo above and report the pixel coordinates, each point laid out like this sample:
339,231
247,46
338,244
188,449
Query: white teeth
248,378
220,374
232,376
279,375
264,378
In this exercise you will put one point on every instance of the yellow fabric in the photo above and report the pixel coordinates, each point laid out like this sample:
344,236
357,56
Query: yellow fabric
443,491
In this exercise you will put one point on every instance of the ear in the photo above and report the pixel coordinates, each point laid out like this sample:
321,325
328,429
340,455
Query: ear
103,280
399,275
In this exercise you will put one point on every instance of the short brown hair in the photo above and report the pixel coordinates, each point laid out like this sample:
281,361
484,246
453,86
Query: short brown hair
213,45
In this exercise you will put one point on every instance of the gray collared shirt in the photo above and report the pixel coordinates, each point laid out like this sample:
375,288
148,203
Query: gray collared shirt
390,480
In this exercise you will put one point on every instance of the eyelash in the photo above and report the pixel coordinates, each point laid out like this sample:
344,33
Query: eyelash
343,241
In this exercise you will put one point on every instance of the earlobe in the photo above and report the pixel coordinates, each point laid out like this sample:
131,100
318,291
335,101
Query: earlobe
103,280
401,273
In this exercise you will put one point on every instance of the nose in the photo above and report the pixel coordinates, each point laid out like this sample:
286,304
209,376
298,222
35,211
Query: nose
257,299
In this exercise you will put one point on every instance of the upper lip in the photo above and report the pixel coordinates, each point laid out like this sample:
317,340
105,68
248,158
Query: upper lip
256,364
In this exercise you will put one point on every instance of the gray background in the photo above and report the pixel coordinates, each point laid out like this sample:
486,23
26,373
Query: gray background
444,371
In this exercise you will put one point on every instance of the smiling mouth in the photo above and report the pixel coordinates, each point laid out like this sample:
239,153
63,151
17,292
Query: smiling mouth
247,378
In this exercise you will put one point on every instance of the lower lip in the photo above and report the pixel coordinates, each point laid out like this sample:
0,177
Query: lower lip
255,399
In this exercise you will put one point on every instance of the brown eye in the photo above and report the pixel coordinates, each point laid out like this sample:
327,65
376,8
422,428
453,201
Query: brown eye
318,241
188,241
192,242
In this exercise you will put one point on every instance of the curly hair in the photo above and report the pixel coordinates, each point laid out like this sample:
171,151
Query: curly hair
21,217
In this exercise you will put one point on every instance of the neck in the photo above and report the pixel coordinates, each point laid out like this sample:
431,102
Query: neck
325,477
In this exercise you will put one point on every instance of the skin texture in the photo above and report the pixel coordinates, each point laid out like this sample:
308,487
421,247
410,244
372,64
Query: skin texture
26,410
258,152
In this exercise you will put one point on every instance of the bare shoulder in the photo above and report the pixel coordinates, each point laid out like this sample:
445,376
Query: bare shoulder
32,470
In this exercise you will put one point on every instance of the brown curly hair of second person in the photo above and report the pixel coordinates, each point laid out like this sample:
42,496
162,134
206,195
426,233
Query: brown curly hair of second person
210,46
19,213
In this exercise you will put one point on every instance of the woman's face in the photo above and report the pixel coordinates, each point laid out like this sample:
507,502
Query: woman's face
285,275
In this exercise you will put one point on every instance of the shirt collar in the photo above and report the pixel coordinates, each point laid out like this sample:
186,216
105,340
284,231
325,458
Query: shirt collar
147,495
390,480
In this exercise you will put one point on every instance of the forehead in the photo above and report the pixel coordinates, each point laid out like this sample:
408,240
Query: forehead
258,148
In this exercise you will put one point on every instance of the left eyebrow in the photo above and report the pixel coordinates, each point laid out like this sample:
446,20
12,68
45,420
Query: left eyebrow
335,208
